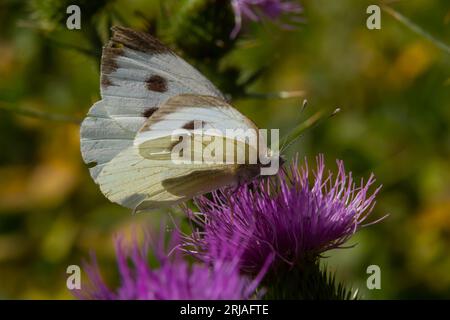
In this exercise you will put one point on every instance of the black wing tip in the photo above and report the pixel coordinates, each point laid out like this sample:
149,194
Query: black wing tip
137,40
124,37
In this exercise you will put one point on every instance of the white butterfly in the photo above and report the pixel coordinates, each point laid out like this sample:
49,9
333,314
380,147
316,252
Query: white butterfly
147,93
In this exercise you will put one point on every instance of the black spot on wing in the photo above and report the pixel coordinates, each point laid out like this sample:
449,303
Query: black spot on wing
190,125
148,112
156,83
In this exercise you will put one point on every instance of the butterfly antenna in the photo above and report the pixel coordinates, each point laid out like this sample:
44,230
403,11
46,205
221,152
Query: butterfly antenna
275,95
304,105
302,109
309,123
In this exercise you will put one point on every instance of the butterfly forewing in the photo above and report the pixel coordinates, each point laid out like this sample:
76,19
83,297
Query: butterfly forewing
138,74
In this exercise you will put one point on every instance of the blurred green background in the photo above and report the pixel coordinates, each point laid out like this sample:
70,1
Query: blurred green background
392,85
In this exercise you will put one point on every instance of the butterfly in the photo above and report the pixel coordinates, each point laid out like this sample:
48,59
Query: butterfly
148,92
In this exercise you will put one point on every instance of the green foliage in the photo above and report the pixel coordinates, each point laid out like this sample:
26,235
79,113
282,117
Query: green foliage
392,86
51,14
202,28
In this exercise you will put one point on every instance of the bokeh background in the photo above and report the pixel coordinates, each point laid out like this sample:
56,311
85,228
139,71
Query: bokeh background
392,85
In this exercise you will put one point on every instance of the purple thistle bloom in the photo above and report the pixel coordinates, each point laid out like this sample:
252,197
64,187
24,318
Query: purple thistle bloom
174,279
255,9
285,217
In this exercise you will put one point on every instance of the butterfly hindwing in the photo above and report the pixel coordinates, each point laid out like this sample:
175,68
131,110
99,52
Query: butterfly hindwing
145,176
139,183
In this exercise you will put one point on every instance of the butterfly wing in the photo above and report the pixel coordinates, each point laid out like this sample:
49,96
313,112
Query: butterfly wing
144,176
138,74
186,111
140,184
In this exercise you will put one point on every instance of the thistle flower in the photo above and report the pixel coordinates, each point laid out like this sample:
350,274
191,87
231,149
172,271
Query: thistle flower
174,279
283,216
256,9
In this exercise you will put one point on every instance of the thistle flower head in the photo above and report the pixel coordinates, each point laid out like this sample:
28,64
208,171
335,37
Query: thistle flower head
284,216
256,9
174,279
